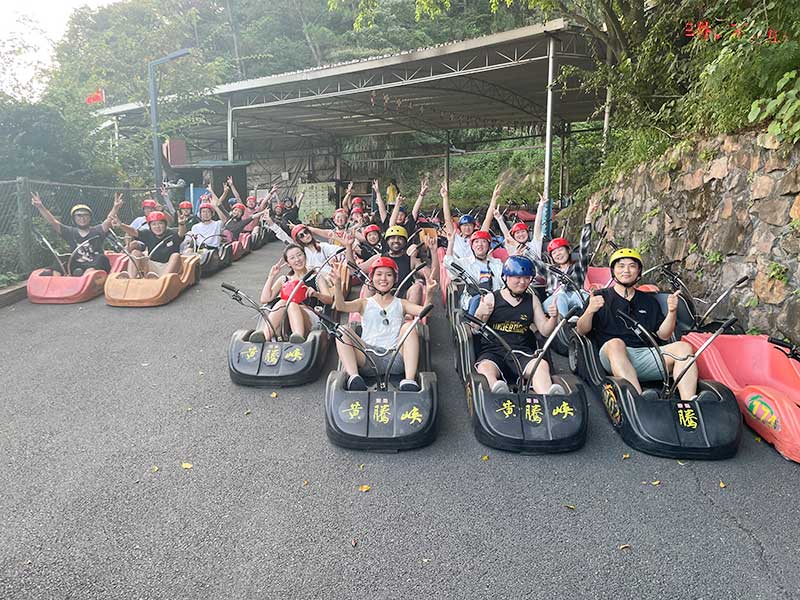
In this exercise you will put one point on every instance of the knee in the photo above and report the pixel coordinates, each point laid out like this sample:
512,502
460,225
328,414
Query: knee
405,327
683,348
615,347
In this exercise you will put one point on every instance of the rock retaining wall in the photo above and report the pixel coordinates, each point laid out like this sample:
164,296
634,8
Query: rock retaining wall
730,206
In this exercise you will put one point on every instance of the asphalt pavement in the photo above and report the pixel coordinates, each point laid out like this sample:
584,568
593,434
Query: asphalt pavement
103,408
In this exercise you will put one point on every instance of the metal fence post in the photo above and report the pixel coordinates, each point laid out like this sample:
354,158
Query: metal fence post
24,224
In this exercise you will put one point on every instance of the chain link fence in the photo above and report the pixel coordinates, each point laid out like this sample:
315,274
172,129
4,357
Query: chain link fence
20,253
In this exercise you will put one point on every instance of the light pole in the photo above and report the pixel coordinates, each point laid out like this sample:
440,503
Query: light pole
151,75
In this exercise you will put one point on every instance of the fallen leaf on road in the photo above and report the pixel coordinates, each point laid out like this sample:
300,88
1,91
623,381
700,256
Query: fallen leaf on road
273,395
656,482
361,467
681,463
625,547
145,364
758,439
626,456
354,542
200,372
722,484
305,482
364,488
485,457
186,465
188,409
154,469
570,506
247,412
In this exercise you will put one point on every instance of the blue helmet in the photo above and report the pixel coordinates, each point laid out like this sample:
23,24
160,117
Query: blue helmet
465,220
518,266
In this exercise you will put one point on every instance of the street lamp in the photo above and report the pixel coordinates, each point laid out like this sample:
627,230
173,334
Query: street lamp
151,75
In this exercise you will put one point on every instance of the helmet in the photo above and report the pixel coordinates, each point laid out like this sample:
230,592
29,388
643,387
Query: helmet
396,230
625,253
240,206
557,243
296,230
205,197
402,209
186,204
519,227
207,205
79,208
384,261
370,229
288,289
156,215
480,235
357,210
340,211
253,198
358,200
518,266
149,203
465,220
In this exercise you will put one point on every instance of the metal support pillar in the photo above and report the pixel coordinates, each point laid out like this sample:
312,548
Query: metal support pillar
548,138
561,165
230,131
151,76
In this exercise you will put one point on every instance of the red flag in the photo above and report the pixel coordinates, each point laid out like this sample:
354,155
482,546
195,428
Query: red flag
98,96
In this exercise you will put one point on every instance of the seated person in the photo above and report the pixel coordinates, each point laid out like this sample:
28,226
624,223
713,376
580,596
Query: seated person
622,352
317,253
397,244
89,238
148,206
298,303
467,224
161,244
369,242
339,231
187,210
208,232
382,324
512,312
234,225
292,208
400,215
486,270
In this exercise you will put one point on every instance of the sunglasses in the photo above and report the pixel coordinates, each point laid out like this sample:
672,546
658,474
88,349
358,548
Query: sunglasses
386,317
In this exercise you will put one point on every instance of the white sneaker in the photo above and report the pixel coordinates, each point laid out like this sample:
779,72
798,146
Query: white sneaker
556,390
500,387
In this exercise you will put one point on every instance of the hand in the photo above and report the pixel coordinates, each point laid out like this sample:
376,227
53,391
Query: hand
229,180
266,218
36,200
400,199
350,187
486,306
497,189
498,214
159,207
423,187
552,310
430,285
596,302
276,268
115,221
334,279
672,302
431,243
118,200
375,187
348,239
443,190
181,218
273,190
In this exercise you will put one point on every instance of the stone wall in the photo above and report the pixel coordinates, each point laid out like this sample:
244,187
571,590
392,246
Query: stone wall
730,206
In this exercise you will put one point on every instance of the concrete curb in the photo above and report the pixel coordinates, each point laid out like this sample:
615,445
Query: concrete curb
13,294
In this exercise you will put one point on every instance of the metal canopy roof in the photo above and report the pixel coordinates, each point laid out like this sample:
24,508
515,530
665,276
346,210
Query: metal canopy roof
493,81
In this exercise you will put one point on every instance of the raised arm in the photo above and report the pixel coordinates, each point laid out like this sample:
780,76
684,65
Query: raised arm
398,202
423,189
376,190
545,322
501,222
46,214
299,199
113,214
233,189
487,220
448,217
339,302
348,193
326,234
270,289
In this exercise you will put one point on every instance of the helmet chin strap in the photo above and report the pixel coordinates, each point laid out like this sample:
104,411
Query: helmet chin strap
513,293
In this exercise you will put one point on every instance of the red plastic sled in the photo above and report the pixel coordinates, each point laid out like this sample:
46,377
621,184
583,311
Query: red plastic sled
765,382
63,289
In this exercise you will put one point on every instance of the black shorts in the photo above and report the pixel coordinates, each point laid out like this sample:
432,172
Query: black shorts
99,262
505,362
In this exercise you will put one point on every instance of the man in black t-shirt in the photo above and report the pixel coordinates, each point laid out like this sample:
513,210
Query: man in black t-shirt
85,241
163,246
511,312
622,352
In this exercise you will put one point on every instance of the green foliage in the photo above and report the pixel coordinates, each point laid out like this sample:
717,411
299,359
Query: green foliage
650,214
752,302
753,331
781,109
7,279
778,272
693,248
794,225
714,257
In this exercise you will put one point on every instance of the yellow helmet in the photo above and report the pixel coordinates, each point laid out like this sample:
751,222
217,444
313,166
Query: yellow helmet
625,253
79,208
396,230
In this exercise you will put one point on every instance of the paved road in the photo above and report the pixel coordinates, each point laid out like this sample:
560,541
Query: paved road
95,397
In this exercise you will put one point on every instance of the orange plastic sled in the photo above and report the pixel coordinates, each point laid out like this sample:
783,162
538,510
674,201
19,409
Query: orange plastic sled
123,291
765,382
62,289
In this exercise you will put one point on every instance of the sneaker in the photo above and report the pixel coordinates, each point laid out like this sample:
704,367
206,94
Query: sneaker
258,337
296,338
650,395
556,390
408,385
500,387
356,383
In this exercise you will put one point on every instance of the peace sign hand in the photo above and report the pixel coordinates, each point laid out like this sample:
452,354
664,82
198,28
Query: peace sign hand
36,200
276,268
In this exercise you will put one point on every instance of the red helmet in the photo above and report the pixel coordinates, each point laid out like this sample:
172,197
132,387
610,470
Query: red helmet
519,227
296,230
357,210
253,198
288,289
480,235
240,206
280,205
358,200
371,228
186,204
384,261
148,203
340,210
156,215
205,197
557,243
207,205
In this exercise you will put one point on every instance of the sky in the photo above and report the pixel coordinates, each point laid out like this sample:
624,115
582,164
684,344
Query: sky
50,15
